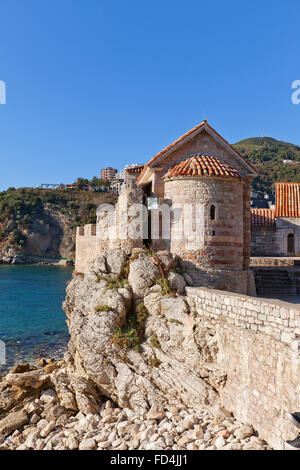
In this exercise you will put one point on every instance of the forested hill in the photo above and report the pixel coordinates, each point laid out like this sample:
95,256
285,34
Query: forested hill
42,223
267,155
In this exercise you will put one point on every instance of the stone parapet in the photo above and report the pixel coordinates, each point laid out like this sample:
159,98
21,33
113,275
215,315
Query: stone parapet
278,319
259,348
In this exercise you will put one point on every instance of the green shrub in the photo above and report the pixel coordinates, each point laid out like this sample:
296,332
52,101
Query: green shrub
131,334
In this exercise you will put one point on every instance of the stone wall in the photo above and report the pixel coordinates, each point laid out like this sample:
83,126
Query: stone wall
214,243
272,241
263,241
118,227
284,227
259,348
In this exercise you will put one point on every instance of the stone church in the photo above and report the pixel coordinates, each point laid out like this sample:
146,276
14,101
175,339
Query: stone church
276,232
201,172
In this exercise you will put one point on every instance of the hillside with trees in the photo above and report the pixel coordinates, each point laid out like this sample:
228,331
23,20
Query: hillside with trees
267,155
42,222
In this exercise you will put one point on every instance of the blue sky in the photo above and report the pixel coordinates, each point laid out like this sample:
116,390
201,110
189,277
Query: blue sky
94,83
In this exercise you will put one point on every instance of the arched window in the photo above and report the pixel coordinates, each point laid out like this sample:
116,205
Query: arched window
212,212
291,244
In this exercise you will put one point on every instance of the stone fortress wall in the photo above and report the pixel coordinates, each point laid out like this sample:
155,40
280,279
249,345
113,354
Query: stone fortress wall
259,348
112,231
216,243
272,241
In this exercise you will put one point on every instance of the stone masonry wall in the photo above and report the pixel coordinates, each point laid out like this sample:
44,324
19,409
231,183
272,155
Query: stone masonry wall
214,243
273,241
258,342
116,228
263,241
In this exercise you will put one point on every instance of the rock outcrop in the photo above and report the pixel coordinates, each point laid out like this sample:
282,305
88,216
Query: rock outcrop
167,358
140,371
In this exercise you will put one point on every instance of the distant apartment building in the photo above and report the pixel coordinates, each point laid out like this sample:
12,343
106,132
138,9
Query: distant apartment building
108,173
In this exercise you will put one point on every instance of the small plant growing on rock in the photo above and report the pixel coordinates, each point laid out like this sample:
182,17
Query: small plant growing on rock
76,273
155,342
154,362
131,334
101,278
116,283
126,337
126,268
123,358
177,322
164,284
102,308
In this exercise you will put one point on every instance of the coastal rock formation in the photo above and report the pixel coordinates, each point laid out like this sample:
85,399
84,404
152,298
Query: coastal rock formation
38,225
50,235
135,339
64,411
141,370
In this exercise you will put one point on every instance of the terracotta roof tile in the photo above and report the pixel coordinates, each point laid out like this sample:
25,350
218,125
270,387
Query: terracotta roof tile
182,138
262,218
287,202
202,165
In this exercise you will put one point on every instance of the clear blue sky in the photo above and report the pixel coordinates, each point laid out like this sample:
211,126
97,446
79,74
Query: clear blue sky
94,83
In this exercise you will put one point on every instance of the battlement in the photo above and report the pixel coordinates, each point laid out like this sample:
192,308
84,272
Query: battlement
88,230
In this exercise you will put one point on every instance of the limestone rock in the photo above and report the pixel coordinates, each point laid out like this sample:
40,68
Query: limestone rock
49,396
100,265
177,282
13,421
34,379
87,444
20,369
188,279
86,404
142,275
72,443
245,431
166,260
115,261
169,365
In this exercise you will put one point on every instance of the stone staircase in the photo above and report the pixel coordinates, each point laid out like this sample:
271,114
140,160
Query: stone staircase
277,282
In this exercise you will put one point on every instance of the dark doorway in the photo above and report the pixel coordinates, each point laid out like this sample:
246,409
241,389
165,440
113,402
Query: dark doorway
291,244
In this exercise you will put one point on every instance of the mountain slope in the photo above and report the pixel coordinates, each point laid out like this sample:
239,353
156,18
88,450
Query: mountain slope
267,154
42,223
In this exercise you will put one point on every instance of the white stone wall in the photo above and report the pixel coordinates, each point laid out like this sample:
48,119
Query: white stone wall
259,349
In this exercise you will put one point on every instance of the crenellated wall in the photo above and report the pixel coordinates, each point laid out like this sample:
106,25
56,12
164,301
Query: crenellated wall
259,348
118,227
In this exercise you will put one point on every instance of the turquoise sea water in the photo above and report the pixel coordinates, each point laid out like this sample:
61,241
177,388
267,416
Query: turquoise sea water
32,322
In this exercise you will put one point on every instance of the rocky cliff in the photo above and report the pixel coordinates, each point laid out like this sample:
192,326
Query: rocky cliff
140,371
135,337
39,225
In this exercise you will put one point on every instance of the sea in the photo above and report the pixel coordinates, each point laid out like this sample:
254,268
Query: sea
32,322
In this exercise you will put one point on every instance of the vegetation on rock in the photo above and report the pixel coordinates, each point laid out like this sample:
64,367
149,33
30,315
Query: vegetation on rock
21,209
131,334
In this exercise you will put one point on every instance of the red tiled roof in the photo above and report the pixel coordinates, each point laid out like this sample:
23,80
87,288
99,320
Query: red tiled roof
262,218
287,202
182,139
202,165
